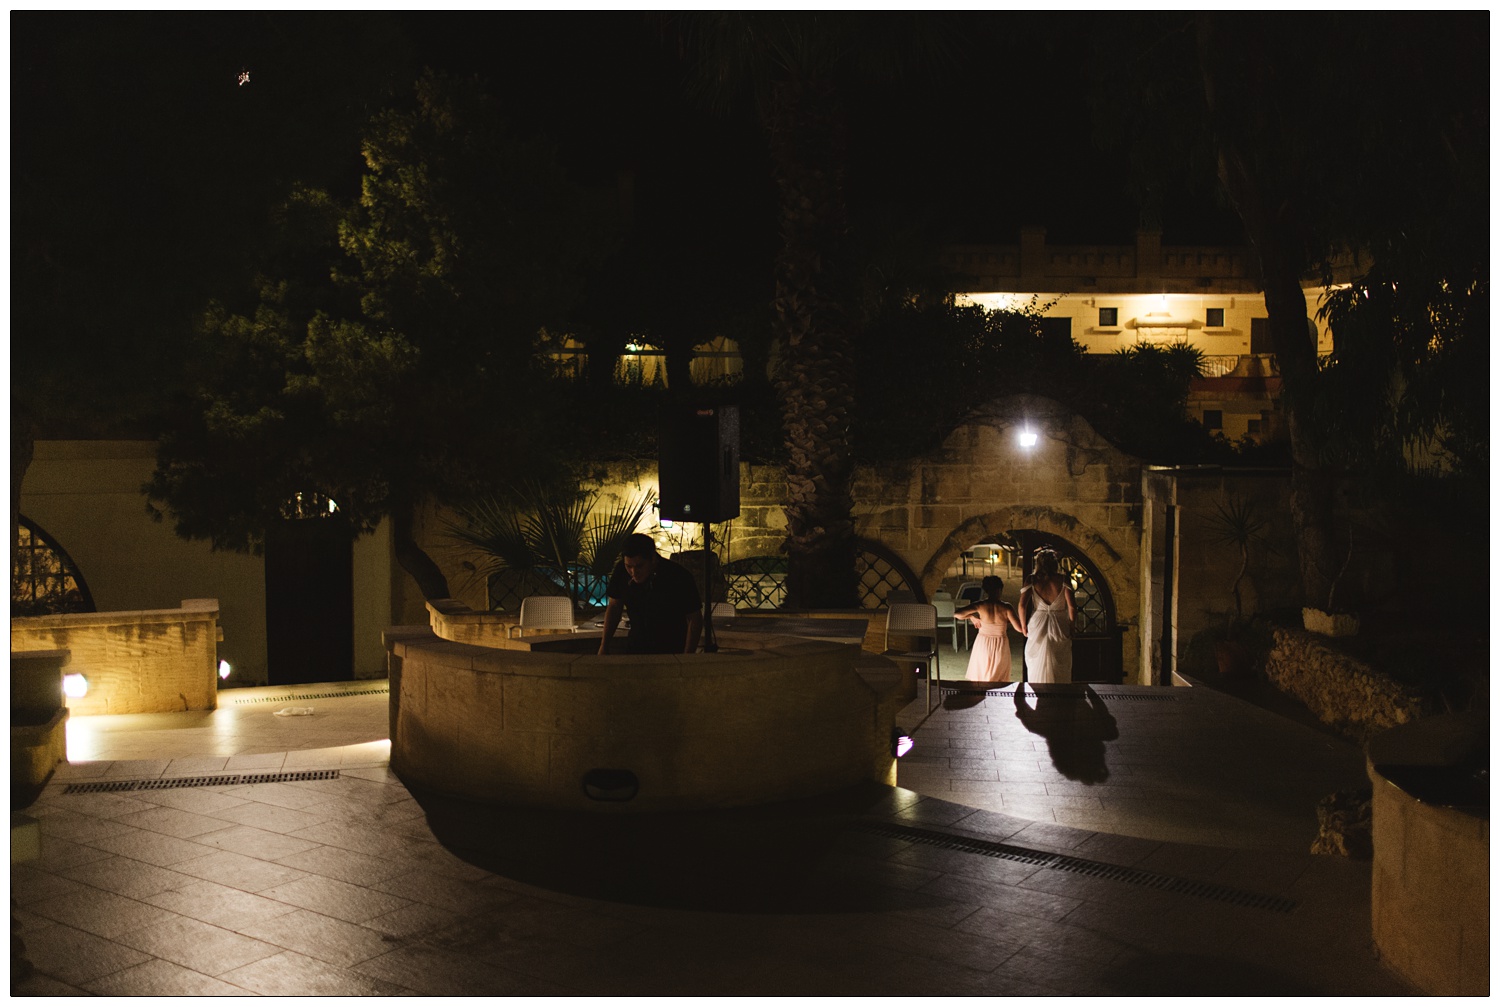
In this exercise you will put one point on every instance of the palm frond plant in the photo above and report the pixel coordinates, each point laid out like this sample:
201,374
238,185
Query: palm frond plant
548,536
1238,522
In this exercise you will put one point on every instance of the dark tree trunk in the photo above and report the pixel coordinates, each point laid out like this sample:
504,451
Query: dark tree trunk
816,373
1274,223
413,559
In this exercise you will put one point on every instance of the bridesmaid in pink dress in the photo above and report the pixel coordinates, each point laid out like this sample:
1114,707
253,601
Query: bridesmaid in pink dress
989,661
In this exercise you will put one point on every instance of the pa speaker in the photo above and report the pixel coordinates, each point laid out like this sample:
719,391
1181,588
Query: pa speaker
698,469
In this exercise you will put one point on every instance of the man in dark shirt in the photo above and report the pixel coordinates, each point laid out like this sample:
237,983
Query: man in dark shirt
660,597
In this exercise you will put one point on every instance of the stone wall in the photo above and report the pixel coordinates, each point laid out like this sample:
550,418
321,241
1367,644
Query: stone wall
979,482
1342,691
160,661
745,726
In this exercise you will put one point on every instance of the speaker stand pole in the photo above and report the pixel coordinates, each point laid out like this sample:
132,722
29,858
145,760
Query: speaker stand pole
710,645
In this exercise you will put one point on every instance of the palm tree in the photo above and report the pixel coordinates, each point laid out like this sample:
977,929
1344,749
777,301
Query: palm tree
793,64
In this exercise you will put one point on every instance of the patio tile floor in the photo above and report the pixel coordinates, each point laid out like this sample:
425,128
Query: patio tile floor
356,886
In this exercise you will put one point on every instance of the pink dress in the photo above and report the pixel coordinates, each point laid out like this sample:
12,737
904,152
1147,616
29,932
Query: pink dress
989,661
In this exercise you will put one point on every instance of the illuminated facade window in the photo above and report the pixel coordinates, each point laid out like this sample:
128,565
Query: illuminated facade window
642,364
717,361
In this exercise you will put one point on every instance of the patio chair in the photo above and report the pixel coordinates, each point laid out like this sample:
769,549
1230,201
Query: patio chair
546,611
969,592
919,622
945,609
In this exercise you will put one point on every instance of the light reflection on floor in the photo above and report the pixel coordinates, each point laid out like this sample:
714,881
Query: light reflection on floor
245,724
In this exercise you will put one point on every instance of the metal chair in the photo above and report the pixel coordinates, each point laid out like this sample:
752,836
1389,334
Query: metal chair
920,623
724,610
969,592
541,611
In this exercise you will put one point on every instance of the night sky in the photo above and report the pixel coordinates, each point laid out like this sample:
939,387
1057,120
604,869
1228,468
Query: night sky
136,115
143,173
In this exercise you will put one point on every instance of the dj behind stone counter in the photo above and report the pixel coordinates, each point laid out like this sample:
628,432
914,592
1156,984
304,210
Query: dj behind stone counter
659,596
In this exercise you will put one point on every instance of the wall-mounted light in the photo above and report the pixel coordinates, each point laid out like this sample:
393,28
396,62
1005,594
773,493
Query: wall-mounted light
75,686
1026,438
224,670
901,742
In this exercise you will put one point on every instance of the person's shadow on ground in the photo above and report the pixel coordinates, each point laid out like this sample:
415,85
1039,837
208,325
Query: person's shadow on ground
1076,724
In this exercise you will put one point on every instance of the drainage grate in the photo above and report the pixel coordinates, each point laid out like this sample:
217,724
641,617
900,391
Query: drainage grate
315,695
1077,865
1148,697
172,783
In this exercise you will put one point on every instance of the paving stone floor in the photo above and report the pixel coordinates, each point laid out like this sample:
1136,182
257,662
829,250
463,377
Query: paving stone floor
1080,842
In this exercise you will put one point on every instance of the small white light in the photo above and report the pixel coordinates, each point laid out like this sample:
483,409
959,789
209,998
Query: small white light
224,670
332,507
75,686
667,524
1027,438
901,742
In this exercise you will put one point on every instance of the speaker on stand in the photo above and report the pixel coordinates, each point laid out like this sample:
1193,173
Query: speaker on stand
698,478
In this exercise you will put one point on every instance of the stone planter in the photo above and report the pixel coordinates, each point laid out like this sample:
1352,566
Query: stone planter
1430,898
1315,620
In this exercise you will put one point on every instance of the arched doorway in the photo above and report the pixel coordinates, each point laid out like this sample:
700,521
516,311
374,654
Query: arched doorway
1098,651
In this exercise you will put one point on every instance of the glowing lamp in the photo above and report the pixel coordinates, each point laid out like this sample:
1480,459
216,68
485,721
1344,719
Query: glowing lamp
75,686
224,670
1027,438
901,742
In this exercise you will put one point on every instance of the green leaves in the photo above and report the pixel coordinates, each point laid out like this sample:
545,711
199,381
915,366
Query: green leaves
545,532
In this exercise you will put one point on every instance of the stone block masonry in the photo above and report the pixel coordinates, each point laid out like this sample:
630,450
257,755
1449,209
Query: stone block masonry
155,661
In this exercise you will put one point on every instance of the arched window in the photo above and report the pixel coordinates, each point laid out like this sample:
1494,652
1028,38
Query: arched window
44,580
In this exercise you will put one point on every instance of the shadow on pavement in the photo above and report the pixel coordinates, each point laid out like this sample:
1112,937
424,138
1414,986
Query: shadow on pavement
781,858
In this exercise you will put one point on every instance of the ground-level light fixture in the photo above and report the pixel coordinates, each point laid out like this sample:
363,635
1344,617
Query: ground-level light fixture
224,670
901,742
75,686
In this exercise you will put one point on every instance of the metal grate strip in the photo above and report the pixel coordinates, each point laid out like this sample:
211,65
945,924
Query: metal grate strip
1077,865
1146,697
315,695
172,783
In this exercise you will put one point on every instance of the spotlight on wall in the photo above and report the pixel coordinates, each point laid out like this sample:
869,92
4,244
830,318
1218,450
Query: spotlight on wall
224,670
1026,438
75,686
901,742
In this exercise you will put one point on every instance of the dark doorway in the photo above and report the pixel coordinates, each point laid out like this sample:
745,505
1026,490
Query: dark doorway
309,601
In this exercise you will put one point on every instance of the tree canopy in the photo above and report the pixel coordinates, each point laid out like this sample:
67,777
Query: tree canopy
388,364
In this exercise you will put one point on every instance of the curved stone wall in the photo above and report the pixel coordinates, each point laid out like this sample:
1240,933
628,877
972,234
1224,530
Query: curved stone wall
763,720
1430,892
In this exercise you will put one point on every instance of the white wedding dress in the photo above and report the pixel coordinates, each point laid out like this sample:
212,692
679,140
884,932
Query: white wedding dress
1049,640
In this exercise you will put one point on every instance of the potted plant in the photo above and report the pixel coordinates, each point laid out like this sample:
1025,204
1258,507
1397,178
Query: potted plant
1238,522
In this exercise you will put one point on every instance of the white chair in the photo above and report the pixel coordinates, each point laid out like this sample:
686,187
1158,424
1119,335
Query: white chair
723,610
546,612
945,609
920,623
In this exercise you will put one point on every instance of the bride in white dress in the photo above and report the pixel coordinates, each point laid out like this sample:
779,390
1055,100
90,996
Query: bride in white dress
1047,611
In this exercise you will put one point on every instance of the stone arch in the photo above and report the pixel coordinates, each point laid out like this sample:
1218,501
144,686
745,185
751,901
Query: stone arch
1100,655
1057,522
